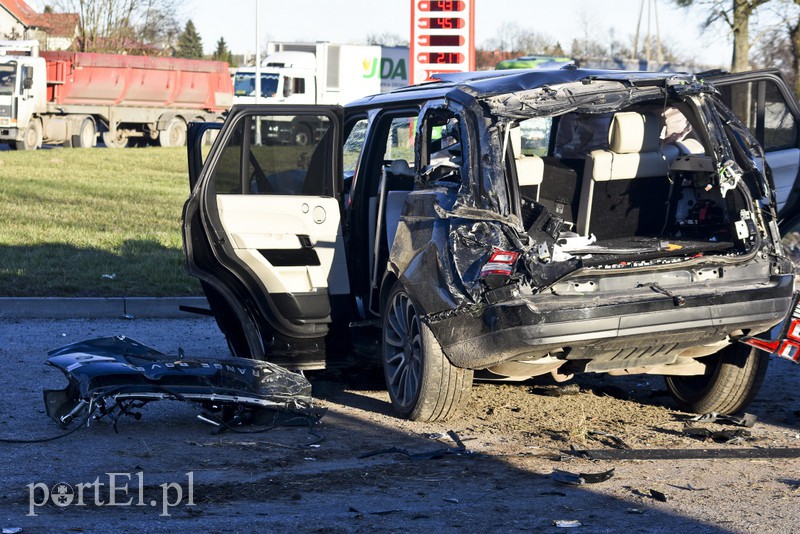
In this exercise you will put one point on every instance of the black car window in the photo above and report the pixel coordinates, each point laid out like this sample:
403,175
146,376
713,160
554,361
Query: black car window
275,155
761,106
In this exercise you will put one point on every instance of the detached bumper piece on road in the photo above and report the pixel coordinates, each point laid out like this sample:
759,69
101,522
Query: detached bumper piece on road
116,376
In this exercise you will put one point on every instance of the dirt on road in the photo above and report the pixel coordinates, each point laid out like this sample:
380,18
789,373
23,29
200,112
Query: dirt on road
362,469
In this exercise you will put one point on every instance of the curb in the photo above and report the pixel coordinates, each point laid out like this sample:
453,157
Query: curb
100,308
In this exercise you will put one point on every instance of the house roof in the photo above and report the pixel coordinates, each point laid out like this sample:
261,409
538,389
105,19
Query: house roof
58,24
21,11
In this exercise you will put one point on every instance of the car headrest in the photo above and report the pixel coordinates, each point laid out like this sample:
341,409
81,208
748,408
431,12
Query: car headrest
632,132
399,167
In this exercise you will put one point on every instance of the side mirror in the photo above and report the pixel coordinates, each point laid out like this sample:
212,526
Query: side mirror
27,77
287,87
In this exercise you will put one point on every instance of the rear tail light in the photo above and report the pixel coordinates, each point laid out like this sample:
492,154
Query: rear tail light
501,262
787,344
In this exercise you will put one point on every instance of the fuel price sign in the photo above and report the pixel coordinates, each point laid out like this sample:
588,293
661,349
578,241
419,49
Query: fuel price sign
442,37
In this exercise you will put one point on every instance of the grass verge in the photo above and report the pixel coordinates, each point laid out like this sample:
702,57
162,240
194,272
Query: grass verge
93,223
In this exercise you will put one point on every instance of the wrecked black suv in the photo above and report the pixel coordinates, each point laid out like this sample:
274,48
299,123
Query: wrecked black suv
504,226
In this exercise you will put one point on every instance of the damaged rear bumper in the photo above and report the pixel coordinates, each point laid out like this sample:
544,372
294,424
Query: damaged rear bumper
105,372
531,327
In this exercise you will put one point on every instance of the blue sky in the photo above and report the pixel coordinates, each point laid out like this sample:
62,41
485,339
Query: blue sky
350,21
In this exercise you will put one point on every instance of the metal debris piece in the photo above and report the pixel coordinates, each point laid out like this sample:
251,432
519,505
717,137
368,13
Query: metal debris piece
737,435
576,479
747,420
435,454
450,500
634,511
687,454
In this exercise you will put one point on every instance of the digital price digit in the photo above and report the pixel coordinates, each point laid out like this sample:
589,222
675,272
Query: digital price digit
441,58
441,23
449,6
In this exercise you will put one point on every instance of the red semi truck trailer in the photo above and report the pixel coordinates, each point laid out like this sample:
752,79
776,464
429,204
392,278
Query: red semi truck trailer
71,97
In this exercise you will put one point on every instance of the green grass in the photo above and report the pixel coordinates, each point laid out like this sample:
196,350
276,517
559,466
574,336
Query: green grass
93,222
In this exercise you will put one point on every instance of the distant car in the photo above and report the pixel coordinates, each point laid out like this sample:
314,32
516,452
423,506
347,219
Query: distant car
536,62
506,225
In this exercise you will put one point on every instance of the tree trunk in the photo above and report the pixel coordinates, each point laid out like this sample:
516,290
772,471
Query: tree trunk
794,39
742,9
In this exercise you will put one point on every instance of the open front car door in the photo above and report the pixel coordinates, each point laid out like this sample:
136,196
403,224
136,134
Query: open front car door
262,231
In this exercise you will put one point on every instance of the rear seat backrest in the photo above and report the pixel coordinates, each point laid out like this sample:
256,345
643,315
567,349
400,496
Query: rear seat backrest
635,151
530,169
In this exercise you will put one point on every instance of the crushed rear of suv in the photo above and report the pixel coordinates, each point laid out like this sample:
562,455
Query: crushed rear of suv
504,225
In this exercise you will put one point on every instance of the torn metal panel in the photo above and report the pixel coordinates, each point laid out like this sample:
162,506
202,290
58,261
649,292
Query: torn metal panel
114,369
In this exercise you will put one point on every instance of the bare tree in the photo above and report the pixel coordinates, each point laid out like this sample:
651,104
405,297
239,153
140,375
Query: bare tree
513,38
386,39
123,26
736,14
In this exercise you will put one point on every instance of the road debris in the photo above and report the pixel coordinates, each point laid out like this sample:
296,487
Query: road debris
687,454
567,523
117,376
615,440
576,479
747,420
436,454
732,436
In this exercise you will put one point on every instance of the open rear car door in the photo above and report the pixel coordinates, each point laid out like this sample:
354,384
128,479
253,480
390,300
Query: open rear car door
262,230
763,101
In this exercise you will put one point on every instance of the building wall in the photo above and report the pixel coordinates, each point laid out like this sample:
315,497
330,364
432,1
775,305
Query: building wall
10,28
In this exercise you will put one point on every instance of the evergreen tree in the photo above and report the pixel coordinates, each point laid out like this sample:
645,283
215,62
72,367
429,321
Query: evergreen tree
222,53
190,44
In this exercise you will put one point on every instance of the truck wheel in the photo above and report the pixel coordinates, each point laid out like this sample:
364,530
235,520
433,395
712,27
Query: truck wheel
87,135
732,379
301,135
32,138
174,134
423,385
120,140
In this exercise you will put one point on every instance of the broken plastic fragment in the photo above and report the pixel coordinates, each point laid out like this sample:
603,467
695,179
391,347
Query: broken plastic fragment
657,495
576,479
567,523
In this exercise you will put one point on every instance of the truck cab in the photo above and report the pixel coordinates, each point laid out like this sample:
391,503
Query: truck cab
286,78
23,87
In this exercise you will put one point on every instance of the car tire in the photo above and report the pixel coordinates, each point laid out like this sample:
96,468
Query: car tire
732,379
423,385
